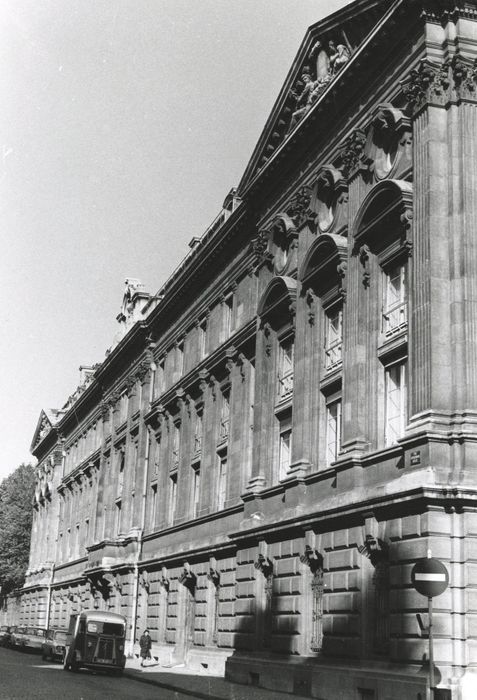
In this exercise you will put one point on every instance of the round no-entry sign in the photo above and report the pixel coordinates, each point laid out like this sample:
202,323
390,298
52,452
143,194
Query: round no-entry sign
430,577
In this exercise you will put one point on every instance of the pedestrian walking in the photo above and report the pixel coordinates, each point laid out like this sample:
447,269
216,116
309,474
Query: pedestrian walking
145,644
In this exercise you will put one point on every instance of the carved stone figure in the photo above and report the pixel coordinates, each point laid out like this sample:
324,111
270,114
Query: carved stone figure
339,55
322,60
304,100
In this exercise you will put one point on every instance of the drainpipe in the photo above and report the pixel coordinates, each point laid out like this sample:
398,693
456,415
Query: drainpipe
48,599
139,552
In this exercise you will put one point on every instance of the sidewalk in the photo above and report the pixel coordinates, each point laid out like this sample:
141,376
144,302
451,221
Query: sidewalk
197,685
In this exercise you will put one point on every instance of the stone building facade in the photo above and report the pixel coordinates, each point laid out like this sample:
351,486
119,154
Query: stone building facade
291,422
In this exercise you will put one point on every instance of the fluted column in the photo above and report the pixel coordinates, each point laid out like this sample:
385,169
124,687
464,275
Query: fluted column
356,314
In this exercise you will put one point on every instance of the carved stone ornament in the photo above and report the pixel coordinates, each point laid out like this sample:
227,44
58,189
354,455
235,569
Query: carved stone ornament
389,141
352,152
164,580
104,408
428,83
465,77
267,332
329,200
213,576
364,253
130,384
143,370
113,400
310,298
259,248
312,559
299,208
264,565
188,578
342,269
375,549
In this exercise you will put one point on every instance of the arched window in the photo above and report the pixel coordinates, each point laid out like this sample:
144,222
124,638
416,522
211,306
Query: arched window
382,231
276,311
323,277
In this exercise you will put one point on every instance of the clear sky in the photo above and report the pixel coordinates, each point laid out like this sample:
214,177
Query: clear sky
123,125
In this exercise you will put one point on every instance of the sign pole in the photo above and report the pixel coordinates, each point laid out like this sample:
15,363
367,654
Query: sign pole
430,578
431,652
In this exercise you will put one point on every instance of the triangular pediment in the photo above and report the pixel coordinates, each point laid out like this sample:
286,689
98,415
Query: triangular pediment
328,46
46,422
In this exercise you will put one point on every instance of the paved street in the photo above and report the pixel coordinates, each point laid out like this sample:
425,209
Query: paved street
25,676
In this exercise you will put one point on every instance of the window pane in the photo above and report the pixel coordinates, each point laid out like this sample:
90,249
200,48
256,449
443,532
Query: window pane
333,431
395,402
395,304
333,337
222,486
285,369
285,452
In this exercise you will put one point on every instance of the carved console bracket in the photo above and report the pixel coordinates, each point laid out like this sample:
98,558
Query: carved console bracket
264,565
188,578
213,574
144,580
312,558
164,580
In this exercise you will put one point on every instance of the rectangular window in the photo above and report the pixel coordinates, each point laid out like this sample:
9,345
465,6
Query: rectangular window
117,524
285,368
333,430
86,532
120,482
396,401
333,337
228,315
222,482
195,490
123,408
198,434
152,521
224,418
395,300
180,358
202,338
285,447
156,458
160,378
175,446
172,498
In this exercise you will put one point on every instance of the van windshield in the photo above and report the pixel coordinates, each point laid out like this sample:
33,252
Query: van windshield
112,628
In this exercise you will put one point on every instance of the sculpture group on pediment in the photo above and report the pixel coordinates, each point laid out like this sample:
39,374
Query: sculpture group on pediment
329,59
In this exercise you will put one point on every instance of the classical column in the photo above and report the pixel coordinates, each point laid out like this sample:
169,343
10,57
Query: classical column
264,418
102,477
355,438
240,430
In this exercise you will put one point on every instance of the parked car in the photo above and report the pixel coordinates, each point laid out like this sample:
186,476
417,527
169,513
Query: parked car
54,644
16,639
33,638
96,640
5,635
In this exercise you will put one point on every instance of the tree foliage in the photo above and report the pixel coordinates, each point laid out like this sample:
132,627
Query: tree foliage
16,493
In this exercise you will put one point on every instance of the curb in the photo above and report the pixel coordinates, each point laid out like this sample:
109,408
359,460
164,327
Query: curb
168,686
